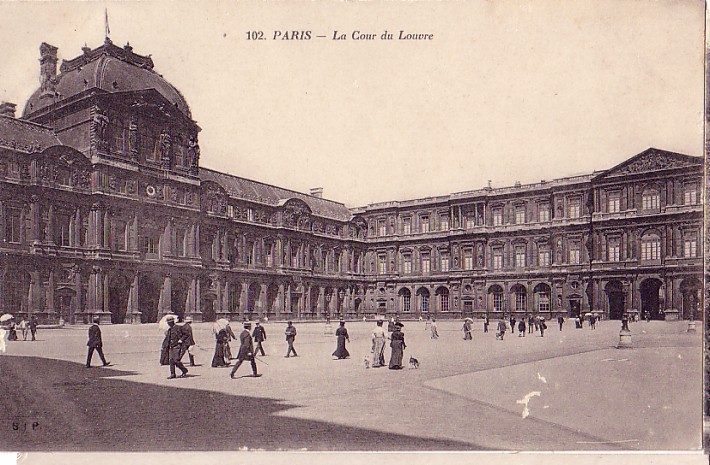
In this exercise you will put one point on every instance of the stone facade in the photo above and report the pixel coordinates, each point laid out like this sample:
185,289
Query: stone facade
105,210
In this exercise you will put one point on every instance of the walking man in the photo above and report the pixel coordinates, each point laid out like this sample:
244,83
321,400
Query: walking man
560,321
23,329
188,341
290,337
173,340
95,343
486,322
246,351
33,326
259,335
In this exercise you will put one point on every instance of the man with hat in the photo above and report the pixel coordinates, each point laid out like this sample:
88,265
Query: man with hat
95,343
246,351
290,337
259,337
173,341
188,341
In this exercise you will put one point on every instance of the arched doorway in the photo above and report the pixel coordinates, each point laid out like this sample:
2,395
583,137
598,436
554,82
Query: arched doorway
148,295
690,291
315,293
118,291
650,301
495,300
615,295
272,294
253,298
63,303
209,313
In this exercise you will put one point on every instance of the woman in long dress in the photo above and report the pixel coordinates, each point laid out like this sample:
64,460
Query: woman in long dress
218,359
397,344
467,336
342,334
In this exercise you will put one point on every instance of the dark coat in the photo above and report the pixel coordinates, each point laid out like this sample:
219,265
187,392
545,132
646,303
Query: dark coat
290,332
246,349
187,338
259,334
94,336
173,337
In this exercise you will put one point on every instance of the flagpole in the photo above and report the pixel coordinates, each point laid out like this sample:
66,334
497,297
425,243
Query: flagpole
107,30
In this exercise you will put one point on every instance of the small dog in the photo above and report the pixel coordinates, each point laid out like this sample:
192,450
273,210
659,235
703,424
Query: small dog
367,361
413,363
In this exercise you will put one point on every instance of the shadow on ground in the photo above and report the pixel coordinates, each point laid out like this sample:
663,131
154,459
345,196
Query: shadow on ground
59,405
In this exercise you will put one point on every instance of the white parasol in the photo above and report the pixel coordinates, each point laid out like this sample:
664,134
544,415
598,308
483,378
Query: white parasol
163,323
219,325
468,319
6,317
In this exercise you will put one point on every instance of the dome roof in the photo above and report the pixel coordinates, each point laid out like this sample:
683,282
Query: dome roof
111,68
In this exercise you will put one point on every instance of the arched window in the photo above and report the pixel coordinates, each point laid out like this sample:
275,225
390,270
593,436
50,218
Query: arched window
405,300
520,295
423,298
496,293
542,297
650,247
442,295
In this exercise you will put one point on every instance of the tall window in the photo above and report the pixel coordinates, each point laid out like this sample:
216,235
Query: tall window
497,217
444,261
149,245
407,263
426,262
119,235
444,223
690,245
544,256
520,299
381,264
406,302
520,256
61,233
424,297
650,199
381,228
690,194
651,247
269,254
444,300
118,134
470,221
424,224
498,301
519,214
498,258
614,249
12,225
543,212
574,207
574,252
180,249
406,226
614,202
468,259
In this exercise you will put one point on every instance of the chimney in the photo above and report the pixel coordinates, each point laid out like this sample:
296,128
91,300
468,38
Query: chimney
47,69
517,184
317,192
7,109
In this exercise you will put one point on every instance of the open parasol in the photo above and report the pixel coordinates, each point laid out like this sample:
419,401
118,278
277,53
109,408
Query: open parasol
6,317
163,323
220,324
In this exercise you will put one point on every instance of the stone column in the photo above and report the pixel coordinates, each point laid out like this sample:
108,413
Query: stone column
34,217
280,300
165,300
321,301
261,304
243,297
50,293
133,307
107,228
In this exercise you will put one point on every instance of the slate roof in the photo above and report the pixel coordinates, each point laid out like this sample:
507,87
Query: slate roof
24,136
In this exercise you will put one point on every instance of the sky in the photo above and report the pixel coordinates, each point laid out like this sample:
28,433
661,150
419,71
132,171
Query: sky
505,91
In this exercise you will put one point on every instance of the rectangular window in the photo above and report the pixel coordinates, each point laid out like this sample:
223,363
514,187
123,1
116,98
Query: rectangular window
468,259
497,302
180,249
690,194
497,217
544,212
520,256
444,302
406,303
470,221
426,262
575,207
498,258
407,265
61,236
424,224
149,245
12,225
614,202
519,215
690,246
544,257
543,302
407,226
650,200
119,235
444,262
614,250
574,254
381,228
444,223
651,249
381,264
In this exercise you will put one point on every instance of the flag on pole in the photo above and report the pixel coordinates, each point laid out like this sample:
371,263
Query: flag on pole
107,30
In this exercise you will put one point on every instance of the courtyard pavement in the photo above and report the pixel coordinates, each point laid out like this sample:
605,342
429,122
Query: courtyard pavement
582,394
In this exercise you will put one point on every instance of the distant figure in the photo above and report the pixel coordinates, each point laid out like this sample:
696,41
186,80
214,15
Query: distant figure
231,335
521,328
531,322
542,326
397,344
486,322
560,321
500,335
23,328
173,338
427,323
467,336
290,338
593,321
512,324
434,332
379,337
188,341
95,343
3,339
33,326
13,331
625,322
648,317
259,335
246,351
342,334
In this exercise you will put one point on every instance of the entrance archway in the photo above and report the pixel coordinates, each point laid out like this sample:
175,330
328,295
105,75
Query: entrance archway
253,298
63,301
118,290
575,305
208,307
272,294
617,300
650,301
690,290
148,295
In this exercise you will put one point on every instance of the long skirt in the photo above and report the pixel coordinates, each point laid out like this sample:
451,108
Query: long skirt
378,353
218,359
227,351
397,354
340,350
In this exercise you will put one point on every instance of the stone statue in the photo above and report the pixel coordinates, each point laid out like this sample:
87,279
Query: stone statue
133,138
165,143
101,128
193,153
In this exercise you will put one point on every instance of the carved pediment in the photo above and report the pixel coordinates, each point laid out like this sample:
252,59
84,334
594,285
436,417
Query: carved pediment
651,160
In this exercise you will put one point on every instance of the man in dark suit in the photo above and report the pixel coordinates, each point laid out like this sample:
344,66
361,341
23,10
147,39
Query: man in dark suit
246,351
259,337
187,340
95,343
33,326
173,340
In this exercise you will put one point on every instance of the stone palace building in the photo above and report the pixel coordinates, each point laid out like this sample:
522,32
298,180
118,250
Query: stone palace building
105,210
